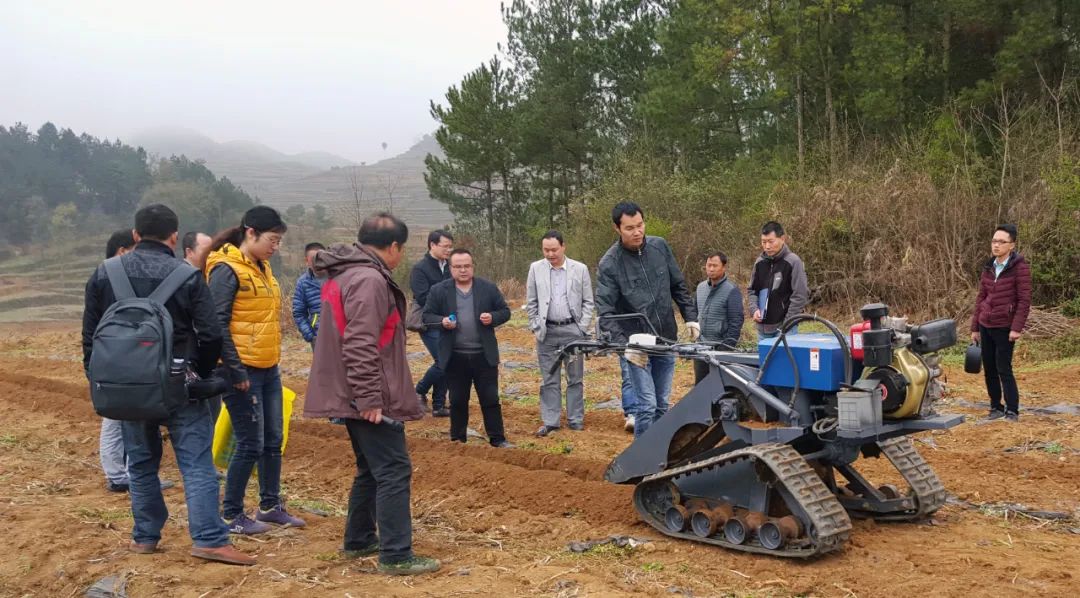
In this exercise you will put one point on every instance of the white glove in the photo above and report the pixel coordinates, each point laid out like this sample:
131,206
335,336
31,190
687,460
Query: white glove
695,330
636,357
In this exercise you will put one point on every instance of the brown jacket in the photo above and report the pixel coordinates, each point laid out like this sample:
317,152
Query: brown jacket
360,359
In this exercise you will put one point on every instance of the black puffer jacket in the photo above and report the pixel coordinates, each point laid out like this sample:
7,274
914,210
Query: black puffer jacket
196,331
645,281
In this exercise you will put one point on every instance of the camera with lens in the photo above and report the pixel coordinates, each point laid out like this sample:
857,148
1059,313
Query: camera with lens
196,387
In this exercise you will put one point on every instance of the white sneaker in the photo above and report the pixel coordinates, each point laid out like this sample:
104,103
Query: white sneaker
629,425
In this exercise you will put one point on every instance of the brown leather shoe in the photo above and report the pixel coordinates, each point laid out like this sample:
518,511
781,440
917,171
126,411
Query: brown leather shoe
143,548
223,554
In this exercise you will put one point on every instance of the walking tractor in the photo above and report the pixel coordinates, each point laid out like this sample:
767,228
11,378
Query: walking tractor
761,456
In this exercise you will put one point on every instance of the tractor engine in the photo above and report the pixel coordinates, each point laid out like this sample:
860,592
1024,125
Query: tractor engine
901,361
763,455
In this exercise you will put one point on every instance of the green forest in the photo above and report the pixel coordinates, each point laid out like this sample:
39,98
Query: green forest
888,136
57,186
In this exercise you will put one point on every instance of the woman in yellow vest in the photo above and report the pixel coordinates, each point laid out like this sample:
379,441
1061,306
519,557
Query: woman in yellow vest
249,305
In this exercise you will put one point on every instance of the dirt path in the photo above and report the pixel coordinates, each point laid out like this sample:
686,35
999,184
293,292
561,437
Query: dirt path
500,519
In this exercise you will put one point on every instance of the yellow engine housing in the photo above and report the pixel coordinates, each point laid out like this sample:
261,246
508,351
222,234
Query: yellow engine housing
917,374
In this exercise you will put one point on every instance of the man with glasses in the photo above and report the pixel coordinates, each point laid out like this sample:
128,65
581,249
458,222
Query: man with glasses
468,309
431,270
1001,312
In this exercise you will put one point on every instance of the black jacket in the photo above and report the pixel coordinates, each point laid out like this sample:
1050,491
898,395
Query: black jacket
646,282
424,275
442,301
790,297
196,330
223,287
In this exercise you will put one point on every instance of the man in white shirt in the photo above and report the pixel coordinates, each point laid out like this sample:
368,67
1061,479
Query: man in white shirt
560,309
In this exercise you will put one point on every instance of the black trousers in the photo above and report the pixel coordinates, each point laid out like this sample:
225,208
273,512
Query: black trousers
997,354
380,492
467,370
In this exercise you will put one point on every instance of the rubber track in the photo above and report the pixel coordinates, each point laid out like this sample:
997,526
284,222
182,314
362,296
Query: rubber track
829,523
927,487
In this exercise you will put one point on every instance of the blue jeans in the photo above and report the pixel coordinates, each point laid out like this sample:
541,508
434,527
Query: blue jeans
761,334
433,377
652,385
191,434
214,404
629,399
258,425
111,449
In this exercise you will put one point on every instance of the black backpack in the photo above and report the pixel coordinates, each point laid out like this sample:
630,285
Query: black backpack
133,376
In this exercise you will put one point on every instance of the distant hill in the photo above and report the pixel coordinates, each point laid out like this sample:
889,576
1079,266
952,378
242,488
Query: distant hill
170,140
396,183
282,180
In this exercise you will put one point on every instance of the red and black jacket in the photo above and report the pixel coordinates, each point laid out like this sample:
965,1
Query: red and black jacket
1003,302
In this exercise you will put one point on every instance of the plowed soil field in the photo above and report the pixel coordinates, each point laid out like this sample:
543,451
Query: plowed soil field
500,520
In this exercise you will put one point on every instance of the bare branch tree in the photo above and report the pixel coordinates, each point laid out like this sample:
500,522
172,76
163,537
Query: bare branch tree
390,183
1057,96
355,205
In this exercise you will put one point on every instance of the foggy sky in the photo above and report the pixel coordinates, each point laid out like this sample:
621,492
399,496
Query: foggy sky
298,76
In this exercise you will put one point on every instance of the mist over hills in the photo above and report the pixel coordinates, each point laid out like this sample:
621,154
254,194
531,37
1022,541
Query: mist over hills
281,180
178,140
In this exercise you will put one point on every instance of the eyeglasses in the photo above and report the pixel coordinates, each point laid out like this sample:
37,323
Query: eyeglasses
1000,242
462,267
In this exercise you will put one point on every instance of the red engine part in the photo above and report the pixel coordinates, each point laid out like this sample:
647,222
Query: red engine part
856,339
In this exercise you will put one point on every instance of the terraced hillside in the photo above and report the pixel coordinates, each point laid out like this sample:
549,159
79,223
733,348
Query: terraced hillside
282,180
396,183
48,286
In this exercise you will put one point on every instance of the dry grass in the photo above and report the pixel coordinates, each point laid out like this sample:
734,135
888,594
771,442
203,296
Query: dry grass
104,517
429,521
57,487
513,289
893,236
1048,323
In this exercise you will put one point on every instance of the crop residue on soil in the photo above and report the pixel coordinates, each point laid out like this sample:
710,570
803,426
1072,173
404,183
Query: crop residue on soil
500,520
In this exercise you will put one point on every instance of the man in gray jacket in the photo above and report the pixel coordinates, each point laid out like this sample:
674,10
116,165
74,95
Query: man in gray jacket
560,308
778,287
638,275
720,309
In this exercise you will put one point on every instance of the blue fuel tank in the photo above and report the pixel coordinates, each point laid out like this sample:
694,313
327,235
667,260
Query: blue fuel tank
819,357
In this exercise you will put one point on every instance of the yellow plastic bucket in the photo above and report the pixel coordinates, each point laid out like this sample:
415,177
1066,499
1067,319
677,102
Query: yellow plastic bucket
225,442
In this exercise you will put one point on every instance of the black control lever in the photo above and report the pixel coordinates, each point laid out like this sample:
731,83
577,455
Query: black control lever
580,346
